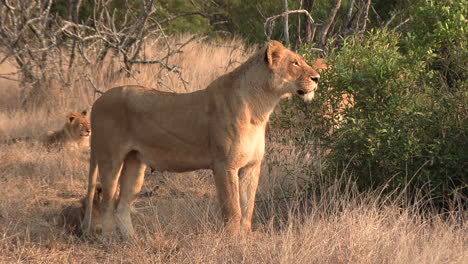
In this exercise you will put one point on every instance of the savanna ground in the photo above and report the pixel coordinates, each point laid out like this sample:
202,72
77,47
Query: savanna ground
177,216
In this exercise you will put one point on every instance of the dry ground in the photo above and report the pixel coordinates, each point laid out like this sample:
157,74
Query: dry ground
177,217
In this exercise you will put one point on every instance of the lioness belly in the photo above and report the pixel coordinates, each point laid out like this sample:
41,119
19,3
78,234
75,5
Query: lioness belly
175,160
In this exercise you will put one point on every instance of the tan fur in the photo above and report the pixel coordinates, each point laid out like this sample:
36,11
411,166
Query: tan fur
75,132
221,128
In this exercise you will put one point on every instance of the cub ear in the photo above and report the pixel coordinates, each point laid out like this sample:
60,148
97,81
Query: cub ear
70,117
84,112
274,51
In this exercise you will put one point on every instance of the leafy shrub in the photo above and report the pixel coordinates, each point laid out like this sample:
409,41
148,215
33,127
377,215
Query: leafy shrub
403,128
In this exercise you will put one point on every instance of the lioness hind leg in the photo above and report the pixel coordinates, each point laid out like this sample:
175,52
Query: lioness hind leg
109,174
248,182
131,181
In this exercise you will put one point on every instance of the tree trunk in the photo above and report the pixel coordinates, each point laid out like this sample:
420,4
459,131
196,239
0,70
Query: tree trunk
286,23
366,16
299,39
328,23
309,29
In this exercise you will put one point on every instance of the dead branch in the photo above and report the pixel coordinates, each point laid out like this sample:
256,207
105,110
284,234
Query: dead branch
310,28
378,18
286,23
46,47
328,23
390,20
269,22
402,23
96,90
299,39
366,15
349,18
9,78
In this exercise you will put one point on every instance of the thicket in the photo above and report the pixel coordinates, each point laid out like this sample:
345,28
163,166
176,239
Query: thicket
408,125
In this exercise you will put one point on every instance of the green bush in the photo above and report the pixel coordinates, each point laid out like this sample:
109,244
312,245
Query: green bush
403,128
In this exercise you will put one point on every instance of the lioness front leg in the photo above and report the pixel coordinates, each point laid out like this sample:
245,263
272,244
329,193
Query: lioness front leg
248,182
227,187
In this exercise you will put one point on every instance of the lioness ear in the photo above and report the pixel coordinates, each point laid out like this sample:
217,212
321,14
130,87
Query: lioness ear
273,53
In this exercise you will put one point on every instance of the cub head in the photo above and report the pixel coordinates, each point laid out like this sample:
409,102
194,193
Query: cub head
71,217
291,73
78,125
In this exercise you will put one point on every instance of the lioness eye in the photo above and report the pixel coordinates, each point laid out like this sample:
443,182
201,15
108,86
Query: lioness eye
296,63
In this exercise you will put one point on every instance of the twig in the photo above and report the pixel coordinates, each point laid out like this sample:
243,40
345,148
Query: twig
9,78
5,2
268,25
96,90
180,48
160,62
391,19
402,23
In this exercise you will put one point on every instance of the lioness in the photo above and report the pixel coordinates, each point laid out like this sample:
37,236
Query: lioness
221,128
75,132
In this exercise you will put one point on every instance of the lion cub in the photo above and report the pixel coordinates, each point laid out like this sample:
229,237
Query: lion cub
75,132
72,216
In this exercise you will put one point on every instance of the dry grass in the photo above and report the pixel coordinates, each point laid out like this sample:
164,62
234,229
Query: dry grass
177,216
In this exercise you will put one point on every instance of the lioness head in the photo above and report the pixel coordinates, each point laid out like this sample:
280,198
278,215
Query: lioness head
78,125
292,74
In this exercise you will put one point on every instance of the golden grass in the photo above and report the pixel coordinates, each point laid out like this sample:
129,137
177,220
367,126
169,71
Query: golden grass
177,217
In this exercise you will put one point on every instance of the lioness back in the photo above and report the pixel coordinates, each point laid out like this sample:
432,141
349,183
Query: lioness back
76,131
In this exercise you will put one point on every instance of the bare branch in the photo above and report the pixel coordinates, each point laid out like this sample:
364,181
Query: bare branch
392,18
9,78
286,23
45,47
402,23
379,19
181,47
366,16
5,2
328,23
96,90
310,27
268,25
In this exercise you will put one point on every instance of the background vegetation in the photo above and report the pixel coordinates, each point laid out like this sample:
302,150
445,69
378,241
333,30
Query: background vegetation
373,170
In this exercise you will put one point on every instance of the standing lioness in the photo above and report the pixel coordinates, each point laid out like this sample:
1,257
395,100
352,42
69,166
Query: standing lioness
220,128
